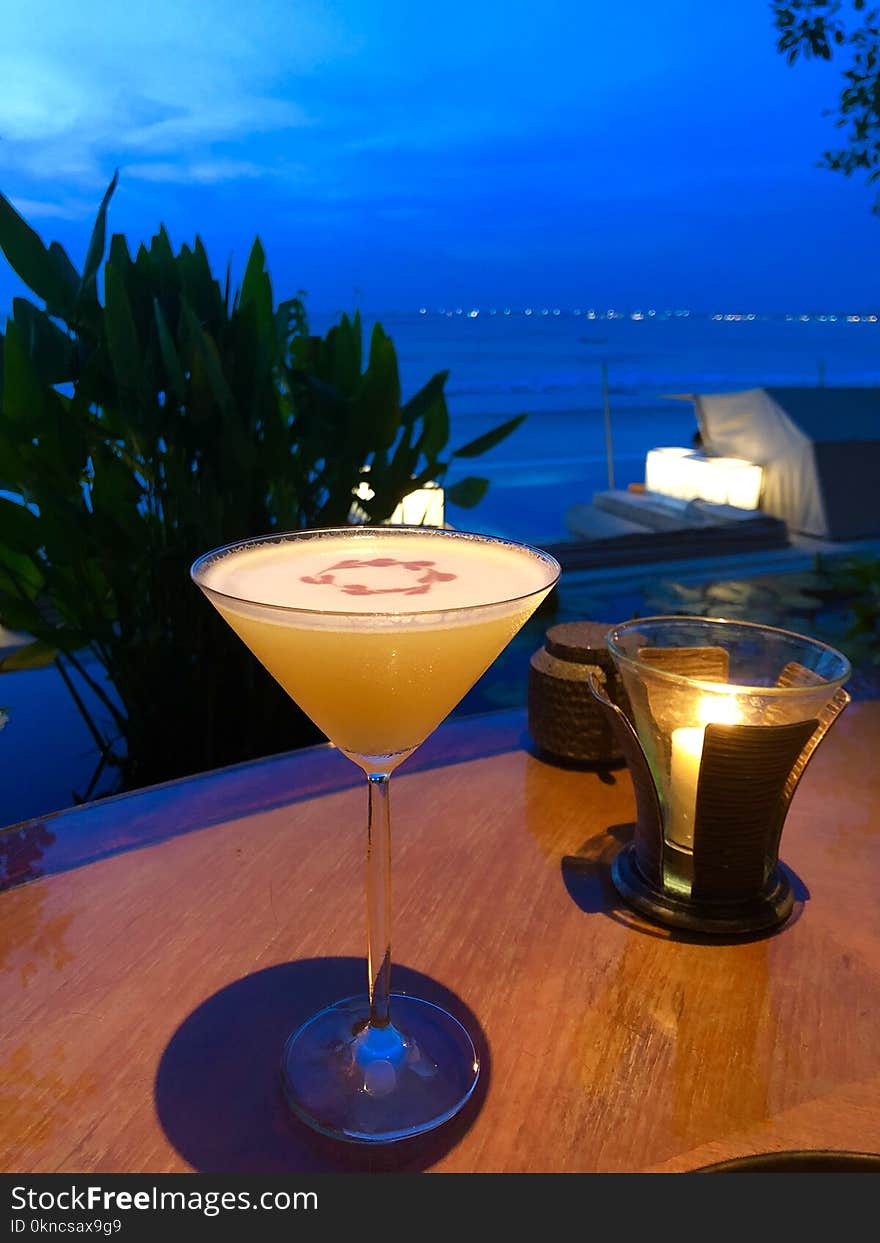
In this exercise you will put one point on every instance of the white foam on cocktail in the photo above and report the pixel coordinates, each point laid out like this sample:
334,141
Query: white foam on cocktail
365,574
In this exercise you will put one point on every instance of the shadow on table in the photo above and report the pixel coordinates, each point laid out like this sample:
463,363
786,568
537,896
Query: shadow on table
217,1089
587,878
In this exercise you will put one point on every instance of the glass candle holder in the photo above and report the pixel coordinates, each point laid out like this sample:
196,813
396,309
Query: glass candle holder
724,718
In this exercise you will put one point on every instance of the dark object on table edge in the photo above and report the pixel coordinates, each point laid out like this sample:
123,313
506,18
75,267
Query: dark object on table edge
805,1161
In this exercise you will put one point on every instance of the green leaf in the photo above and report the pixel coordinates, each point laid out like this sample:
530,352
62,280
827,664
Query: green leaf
66,270
19,575
41,269
14,471
161,250
197,283
173,369
88,289
357,333
467,492
17,612
122,339
119,254
34,655
421,402
483,443
378,402
256,288
343,358
207,349
406,456
19,526
435,432
290,322
50,349
22,391
115,490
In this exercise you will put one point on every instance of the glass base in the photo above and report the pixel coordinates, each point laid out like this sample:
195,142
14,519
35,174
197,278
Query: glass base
379,1085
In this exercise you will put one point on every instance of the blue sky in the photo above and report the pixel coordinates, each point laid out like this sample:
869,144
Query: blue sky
394,153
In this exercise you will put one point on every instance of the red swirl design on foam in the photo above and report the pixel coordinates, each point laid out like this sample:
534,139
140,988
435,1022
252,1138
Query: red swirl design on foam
421,587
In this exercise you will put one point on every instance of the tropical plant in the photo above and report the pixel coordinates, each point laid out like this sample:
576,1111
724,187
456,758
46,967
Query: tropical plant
148,413
821,29
856,582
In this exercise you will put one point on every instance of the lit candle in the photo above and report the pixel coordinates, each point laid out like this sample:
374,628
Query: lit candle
684,768
684,772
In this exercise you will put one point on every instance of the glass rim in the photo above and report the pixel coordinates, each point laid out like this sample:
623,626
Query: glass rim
645,667
311,532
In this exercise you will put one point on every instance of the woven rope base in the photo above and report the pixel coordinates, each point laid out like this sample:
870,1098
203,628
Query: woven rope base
565,721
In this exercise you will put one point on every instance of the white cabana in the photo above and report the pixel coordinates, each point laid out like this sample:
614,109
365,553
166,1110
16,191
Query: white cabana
819,449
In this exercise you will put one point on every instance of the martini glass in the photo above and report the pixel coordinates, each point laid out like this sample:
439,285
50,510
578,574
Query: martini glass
377,633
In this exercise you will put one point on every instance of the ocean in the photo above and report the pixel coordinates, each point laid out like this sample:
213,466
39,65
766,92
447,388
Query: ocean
550,367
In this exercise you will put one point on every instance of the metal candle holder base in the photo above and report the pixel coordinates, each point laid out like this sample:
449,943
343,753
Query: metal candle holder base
727,880
758,913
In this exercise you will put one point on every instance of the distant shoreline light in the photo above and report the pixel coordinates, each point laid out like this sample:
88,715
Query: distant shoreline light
639,316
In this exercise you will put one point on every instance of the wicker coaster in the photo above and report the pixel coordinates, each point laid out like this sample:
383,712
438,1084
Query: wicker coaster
565,720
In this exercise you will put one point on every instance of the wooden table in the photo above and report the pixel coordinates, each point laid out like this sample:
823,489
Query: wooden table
175,936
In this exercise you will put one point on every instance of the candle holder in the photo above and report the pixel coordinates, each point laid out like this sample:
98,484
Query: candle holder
565,721
725,718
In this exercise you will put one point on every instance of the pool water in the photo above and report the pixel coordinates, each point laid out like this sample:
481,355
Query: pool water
808,602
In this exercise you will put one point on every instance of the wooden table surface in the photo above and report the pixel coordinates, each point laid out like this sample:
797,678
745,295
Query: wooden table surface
156,949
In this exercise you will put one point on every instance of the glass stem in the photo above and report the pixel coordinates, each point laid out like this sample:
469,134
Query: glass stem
379,898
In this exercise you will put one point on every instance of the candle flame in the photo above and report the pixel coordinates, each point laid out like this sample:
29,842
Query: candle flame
718,710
